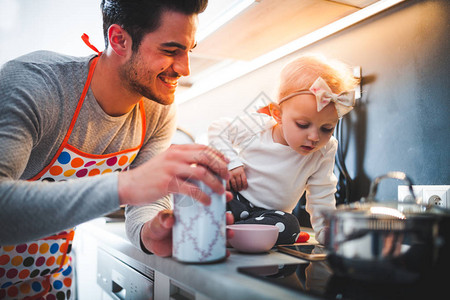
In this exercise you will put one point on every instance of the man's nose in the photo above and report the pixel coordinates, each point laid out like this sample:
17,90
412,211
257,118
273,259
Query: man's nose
181,65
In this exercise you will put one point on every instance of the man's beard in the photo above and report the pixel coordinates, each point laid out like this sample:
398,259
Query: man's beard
131,76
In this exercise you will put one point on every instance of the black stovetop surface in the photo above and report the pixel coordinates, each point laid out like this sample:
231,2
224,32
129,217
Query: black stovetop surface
318,279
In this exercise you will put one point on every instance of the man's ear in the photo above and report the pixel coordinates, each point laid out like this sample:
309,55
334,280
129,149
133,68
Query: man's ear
119,40
275,111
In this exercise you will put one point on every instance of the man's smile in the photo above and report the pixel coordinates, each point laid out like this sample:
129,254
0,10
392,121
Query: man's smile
169,81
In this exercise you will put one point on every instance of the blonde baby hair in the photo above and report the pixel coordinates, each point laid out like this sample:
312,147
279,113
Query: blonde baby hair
300,74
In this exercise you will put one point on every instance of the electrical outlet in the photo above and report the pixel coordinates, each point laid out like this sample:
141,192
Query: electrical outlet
404,195
438,195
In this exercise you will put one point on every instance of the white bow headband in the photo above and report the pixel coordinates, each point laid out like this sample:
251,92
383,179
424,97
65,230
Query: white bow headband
343,102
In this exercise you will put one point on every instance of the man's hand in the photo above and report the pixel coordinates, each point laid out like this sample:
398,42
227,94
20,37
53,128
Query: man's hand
156,234
238,179
168,172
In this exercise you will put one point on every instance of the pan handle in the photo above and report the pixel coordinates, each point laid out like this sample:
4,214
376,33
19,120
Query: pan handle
394,175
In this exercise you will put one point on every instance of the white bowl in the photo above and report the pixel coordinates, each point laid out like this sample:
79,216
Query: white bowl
253,238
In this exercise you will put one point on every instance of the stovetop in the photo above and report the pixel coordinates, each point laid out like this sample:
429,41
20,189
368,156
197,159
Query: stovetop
317,279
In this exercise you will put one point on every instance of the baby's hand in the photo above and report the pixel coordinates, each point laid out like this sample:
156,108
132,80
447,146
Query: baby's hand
238,180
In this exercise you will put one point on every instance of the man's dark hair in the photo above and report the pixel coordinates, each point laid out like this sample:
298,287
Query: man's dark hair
139,17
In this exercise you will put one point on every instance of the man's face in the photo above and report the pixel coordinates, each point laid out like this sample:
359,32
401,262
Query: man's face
162,58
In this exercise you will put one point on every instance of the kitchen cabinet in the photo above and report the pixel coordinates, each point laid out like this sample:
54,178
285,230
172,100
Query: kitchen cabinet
257,33
85,261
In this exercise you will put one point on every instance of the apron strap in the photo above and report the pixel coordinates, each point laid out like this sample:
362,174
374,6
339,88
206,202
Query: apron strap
85,39
74,118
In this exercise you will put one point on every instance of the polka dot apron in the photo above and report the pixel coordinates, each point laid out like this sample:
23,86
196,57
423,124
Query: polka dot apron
43,269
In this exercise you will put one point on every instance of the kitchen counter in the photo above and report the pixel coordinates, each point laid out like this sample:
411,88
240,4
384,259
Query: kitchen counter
200,281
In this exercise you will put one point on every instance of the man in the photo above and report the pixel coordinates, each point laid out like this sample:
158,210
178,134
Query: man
65,118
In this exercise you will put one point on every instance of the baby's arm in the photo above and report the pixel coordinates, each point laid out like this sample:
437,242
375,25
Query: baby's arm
221,137
320,190
238,179
229,135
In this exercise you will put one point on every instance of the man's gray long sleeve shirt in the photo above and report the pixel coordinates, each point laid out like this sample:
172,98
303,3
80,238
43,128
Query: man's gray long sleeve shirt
39,93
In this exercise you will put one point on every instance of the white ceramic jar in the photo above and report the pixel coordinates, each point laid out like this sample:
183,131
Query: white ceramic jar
199,232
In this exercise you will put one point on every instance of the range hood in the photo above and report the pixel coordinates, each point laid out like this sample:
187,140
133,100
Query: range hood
263,31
